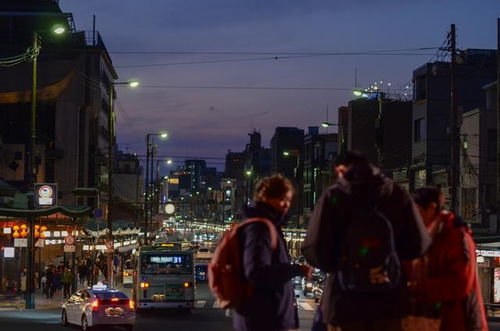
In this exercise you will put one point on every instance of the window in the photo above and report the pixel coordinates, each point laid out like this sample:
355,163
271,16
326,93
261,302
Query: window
419,130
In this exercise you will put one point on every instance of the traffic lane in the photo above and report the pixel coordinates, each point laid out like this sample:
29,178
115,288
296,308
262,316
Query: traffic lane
169,320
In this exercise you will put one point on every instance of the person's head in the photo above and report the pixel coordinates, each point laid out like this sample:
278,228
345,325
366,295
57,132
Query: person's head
347,160
429,203
275,191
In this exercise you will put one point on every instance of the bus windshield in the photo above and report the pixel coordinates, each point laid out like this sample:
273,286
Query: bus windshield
166,264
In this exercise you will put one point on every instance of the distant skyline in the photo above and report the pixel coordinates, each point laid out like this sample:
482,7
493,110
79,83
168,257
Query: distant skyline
228,43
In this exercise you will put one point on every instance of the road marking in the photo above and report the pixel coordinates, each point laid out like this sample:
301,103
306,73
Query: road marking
216,304
200,303
306,306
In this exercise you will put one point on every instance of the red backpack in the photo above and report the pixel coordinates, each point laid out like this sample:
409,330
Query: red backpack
225,271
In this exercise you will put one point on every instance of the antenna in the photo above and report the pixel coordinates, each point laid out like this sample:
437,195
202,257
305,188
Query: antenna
355,77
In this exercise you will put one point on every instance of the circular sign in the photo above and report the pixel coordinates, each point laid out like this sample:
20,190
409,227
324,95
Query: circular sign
169,208
110,245
69,240
45,192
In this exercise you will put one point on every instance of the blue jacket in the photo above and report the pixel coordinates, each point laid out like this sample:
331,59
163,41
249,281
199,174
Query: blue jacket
271,306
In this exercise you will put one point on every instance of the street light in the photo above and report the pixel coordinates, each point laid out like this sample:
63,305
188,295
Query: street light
111,136
30,170
149,172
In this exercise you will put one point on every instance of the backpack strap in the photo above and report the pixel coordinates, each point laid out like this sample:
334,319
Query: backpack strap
272,229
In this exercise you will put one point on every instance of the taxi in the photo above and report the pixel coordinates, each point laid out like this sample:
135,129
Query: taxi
88,308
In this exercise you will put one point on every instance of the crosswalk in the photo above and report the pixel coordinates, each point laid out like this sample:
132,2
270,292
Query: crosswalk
209,304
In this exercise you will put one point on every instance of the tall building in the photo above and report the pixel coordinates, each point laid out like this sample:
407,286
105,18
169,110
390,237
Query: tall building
75,73
389,145
320,151
431,111
287,157
196,168
127,187
290,141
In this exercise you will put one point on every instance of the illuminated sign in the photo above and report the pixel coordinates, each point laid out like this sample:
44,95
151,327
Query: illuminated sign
488,253
45,195
165,259
174,181
169,208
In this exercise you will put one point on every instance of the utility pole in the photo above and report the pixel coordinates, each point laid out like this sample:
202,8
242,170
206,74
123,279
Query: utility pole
454,127
498,126
110,182
146,196
152,188
30,181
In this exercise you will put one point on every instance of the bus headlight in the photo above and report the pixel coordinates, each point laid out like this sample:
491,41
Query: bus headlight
144,284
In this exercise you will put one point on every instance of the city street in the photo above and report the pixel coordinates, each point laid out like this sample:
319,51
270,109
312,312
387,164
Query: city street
206,316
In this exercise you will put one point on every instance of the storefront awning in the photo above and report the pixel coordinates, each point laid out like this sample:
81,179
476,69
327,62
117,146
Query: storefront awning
70,211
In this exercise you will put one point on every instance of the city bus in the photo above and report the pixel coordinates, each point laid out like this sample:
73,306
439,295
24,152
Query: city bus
165,277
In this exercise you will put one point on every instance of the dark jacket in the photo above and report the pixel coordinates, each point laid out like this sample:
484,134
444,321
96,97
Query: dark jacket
271,307
452,282
362,186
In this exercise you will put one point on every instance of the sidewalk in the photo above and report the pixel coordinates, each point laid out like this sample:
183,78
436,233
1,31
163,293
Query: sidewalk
41,301
18,303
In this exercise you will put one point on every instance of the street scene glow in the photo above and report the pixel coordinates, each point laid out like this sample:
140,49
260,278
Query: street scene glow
142,143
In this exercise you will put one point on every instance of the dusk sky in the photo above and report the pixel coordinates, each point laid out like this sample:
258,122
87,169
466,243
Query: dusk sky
205,122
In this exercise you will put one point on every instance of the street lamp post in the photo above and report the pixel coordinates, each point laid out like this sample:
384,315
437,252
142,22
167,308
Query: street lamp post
147,197
111,142
30,171
158,181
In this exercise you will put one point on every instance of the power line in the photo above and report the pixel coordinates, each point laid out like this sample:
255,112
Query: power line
312,88
272,58
272,53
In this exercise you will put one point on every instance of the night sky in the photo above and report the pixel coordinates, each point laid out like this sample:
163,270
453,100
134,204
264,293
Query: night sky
251,33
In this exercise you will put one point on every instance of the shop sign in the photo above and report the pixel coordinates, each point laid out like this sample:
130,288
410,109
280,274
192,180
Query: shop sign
9,252
483,262
69,248
20,242
45,195
483,252
40,243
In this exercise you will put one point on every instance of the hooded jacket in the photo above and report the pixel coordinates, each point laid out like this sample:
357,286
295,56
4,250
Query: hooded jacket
271,307
452,283
363,186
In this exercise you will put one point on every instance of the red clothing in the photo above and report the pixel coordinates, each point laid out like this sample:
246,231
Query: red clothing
452,282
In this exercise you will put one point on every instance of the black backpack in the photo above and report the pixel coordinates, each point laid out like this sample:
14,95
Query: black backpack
368,260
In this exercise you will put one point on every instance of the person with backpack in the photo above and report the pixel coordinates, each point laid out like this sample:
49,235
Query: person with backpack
263,264
444,282
360,229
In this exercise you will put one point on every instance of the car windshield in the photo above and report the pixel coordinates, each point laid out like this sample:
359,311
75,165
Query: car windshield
166,263
105,295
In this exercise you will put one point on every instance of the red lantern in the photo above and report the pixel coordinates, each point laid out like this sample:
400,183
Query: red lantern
24,233
15,234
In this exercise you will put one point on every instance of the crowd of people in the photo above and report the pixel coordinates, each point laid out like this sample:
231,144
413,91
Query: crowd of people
395,261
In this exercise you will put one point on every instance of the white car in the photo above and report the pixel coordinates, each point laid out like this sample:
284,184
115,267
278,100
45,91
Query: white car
99,306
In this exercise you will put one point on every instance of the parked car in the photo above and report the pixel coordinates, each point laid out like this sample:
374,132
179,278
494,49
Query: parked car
98,306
